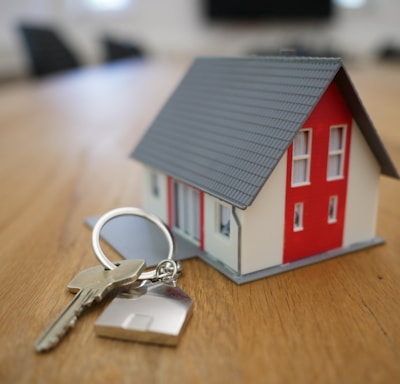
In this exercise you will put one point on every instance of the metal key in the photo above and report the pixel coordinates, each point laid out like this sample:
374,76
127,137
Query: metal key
90,285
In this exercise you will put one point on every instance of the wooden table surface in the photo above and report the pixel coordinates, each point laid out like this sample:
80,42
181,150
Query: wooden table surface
64,147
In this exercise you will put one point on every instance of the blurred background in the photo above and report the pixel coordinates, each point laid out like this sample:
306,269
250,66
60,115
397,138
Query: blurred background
96,31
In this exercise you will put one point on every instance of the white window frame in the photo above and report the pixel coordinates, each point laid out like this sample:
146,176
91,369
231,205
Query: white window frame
302,157
298,224
186,202
337,152
223,212
333,203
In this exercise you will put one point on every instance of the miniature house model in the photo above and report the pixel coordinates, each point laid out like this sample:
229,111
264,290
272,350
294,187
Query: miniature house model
265,164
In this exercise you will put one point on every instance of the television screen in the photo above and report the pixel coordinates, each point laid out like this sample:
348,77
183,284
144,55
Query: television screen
266,9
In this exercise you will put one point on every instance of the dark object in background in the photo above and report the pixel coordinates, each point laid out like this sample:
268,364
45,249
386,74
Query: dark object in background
389,52
47,51
117,49
294,49
226,10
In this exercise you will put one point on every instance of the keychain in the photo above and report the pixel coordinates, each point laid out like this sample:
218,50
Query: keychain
154,309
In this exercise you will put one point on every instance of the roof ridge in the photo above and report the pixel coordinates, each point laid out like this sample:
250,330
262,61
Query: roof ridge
272,58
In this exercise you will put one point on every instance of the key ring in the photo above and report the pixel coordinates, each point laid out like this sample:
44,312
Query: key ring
166,269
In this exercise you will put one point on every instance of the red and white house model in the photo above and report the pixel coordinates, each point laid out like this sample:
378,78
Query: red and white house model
265,164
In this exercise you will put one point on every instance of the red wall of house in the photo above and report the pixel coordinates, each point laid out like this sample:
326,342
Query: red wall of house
318,235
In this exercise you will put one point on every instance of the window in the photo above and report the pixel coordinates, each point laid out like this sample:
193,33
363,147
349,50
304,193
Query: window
154,184
196,214
224,220
332,209
301,158
337,139
298,217
186,210
177,210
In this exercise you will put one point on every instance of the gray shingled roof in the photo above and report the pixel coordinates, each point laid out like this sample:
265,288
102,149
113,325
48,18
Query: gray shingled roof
230,121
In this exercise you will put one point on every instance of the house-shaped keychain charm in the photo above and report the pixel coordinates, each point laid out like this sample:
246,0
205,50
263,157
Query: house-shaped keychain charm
262,165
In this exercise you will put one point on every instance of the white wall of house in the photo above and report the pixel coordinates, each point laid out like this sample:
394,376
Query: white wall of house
156,204
362,191
220,246
263,224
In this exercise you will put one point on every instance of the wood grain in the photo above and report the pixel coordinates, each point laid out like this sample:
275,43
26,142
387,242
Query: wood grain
64,146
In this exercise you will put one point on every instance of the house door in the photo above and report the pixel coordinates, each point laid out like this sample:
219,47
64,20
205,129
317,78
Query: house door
186,211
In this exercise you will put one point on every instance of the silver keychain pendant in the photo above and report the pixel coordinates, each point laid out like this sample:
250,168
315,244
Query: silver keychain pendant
152,313
154,310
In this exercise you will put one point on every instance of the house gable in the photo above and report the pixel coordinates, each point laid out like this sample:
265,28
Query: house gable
316,233
365,124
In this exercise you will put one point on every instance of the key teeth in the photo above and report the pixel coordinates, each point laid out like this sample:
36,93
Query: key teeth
50,343
53,342
71,324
